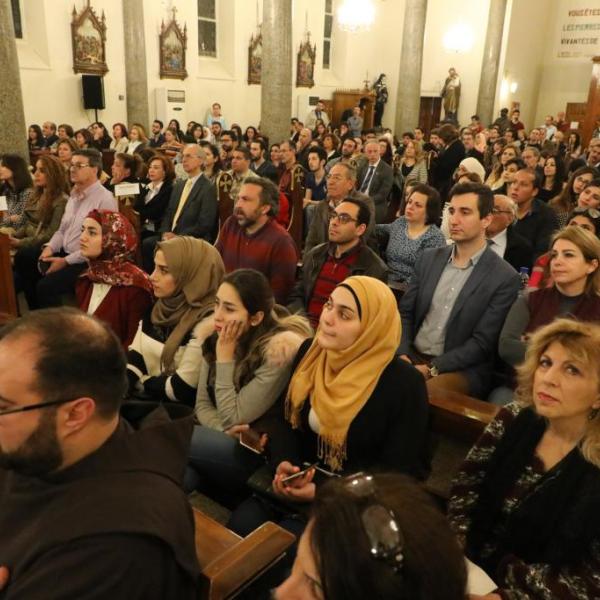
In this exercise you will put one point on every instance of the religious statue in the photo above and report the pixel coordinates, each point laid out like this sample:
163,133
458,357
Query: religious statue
451,95
381,97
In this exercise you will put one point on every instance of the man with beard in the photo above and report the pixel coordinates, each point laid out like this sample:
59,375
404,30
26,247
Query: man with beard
349,148
91,503
252,239
228,143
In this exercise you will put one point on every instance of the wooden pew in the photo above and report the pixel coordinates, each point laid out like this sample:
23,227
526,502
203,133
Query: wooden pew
228,562
225,201
297,191
457,421
8,298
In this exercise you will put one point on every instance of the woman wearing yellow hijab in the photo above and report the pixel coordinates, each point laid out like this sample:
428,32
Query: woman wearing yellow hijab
351,404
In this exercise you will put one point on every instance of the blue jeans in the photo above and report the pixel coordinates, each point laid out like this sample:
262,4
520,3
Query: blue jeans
220,459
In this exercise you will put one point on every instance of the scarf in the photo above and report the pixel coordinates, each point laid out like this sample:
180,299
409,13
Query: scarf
198,269
115,265
340,382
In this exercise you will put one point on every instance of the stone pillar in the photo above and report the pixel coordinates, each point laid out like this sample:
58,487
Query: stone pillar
13,132
276,78
136,75
411,63
491,61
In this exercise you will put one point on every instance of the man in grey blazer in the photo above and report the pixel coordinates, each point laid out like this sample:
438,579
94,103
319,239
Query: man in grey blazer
192,208
457,300
375,179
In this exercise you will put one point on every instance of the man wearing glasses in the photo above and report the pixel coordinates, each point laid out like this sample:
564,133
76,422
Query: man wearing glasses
327,265
516,250
46,278
90,498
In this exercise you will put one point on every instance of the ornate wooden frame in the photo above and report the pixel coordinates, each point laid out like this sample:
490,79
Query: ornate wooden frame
305,67
88,37
173,44
255,59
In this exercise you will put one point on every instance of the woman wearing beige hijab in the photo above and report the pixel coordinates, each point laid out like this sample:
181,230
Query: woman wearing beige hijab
164,358
351,404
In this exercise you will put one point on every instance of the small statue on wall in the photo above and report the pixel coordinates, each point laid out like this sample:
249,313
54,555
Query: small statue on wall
381,97
173,44
451,96
88,36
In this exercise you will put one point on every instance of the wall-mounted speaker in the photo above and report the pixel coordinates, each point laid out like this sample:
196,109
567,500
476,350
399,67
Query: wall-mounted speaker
93,91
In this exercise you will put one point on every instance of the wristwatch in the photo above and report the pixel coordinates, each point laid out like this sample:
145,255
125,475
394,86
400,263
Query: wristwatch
433,371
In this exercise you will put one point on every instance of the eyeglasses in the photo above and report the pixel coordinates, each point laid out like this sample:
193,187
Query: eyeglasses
592,212
28,407
379,523
343,218
78,166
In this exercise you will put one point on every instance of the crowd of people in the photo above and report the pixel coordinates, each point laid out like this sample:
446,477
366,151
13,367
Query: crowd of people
204,352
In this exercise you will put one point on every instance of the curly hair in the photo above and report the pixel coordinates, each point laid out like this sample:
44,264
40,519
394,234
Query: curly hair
582,342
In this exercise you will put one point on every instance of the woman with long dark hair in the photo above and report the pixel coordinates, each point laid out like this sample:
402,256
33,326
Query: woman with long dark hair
102,140
566,200
35,137
120,140
554,178
46,205
16,186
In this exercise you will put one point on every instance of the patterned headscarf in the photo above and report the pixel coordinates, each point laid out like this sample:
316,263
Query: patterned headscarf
115,265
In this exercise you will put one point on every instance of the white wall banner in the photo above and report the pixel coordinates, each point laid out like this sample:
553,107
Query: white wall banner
578,31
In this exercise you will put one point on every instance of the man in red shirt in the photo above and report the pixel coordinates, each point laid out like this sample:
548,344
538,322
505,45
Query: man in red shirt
252,239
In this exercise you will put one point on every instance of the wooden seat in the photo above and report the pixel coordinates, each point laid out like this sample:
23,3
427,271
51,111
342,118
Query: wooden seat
457,421
297,192
224,184
229,562
8,298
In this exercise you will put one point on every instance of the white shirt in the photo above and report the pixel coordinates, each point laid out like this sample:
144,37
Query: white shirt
132,146
99,292
154,189
499,242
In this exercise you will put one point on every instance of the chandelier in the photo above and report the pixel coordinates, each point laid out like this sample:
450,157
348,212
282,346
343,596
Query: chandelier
356,15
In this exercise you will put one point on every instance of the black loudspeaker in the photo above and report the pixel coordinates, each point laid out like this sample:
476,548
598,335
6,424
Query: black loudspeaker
93,91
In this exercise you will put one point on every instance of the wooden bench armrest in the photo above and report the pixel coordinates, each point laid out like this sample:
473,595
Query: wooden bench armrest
461,416
247,559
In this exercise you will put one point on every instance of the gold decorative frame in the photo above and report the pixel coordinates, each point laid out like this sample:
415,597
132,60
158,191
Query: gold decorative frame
173,44
305,68
88,36
255,59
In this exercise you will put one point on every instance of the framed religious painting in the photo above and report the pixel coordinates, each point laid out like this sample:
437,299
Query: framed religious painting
305,70
255,59
88,36
173,44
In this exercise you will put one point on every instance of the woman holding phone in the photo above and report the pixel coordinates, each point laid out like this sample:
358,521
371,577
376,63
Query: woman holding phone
245,366
344,409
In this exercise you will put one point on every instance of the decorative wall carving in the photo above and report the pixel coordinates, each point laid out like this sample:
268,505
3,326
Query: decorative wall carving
255,58
305,71
173,44
88,35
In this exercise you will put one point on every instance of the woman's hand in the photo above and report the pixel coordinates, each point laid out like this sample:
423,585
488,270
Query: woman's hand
227,340
301,489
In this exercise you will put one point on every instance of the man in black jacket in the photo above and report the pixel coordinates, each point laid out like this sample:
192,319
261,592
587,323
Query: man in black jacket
375,179
447,161
328,264
504,240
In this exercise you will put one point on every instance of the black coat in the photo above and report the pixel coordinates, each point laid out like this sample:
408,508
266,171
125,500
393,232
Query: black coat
519,250
390,432
154,210
444,166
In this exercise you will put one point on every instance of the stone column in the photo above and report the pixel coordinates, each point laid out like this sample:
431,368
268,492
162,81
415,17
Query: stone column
276,78
13,132
411,63
136,75
491,61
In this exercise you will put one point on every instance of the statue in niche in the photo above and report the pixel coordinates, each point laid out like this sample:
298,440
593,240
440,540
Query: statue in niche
88,37
381,97
306,64
255,59
451,96
173,44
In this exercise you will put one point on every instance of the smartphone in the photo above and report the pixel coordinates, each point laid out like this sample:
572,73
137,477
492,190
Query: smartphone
251,439
43,266
304,471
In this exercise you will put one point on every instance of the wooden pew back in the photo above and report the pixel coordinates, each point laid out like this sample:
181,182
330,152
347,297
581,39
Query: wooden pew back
8,298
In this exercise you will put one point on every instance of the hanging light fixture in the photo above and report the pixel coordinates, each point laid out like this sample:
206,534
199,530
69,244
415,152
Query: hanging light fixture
459,38
356,15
